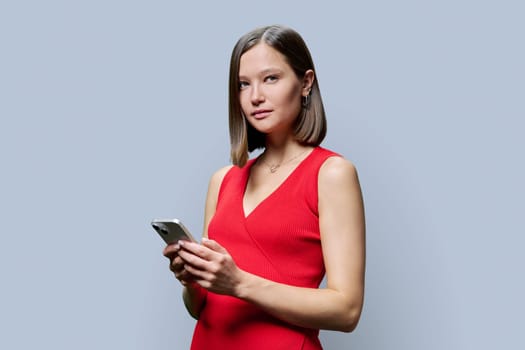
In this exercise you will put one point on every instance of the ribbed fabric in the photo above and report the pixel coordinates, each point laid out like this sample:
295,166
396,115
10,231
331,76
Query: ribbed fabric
279,240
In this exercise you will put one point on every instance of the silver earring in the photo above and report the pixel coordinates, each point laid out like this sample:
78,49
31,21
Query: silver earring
306,101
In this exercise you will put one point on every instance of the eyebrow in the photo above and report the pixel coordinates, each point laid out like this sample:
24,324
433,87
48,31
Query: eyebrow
265,71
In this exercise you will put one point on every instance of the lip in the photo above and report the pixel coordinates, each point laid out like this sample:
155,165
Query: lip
261,113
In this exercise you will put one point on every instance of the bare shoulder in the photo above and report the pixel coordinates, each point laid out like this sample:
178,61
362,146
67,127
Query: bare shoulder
212,196
336,171
217,177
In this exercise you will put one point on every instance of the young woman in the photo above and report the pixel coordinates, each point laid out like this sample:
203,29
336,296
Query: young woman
275,224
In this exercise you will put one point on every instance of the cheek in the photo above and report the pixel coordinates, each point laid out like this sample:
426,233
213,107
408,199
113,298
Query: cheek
244,103
292,99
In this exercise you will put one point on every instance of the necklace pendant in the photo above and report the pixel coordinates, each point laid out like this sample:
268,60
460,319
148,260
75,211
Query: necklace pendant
274,167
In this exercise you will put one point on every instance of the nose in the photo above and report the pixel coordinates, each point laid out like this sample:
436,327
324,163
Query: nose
257,96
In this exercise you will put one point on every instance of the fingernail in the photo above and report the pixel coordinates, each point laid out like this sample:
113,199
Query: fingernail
204,239
181,243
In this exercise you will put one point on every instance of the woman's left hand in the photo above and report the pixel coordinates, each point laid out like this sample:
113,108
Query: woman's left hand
211,266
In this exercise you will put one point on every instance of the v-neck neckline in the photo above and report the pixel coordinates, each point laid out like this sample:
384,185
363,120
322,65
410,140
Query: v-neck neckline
276,190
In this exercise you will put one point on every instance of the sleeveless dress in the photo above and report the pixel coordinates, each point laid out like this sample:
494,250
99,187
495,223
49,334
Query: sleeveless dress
280,241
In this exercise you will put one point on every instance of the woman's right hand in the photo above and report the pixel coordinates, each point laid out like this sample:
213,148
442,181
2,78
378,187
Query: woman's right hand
193,295
177,264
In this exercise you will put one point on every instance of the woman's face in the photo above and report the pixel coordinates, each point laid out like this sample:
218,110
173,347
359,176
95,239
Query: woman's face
269,91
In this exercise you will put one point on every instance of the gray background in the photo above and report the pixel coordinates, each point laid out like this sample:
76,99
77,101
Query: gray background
115,112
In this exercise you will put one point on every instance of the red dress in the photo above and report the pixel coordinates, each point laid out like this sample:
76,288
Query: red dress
280,241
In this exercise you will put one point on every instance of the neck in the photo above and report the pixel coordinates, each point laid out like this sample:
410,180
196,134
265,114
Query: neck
279,149
288,154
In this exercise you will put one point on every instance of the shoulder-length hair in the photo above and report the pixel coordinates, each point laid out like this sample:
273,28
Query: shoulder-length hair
310,125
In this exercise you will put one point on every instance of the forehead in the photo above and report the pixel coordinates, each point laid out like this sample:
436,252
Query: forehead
262,57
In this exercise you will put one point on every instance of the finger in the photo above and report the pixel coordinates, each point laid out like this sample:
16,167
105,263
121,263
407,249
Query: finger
185,279
170,250
176,264
193,260
197,249
198,274
213,245
190,246
203,283
180,272
183,276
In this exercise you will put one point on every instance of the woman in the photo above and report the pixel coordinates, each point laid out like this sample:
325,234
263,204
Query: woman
276,223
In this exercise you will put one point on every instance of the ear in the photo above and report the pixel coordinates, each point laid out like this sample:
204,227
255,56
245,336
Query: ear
308,81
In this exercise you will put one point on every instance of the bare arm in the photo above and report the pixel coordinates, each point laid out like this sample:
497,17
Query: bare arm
336,307
193,295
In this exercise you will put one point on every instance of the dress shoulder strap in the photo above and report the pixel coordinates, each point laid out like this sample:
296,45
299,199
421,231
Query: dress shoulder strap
310,175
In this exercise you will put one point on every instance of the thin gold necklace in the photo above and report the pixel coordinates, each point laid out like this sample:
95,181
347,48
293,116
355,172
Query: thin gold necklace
273,167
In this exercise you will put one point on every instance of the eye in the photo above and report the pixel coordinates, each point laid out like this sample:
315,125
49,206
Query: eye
243,84
271,78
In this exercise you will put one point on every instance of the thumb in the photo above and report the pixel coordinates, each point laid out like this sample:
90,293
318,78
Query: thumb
213,245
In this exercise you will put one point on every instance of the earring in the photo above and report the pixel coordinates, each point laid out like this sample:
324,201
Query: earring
306,100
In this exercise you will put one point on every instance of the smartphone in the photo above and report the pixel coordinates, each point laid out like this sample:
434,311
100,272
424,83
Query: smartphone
172,230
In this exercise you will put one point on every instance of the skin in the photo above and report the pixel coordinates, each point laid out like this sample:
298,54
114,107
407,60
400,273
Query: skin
270,96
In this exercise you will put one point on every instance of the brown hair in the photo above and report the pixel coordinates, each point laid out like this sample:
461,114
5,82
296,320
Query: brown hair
310,126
